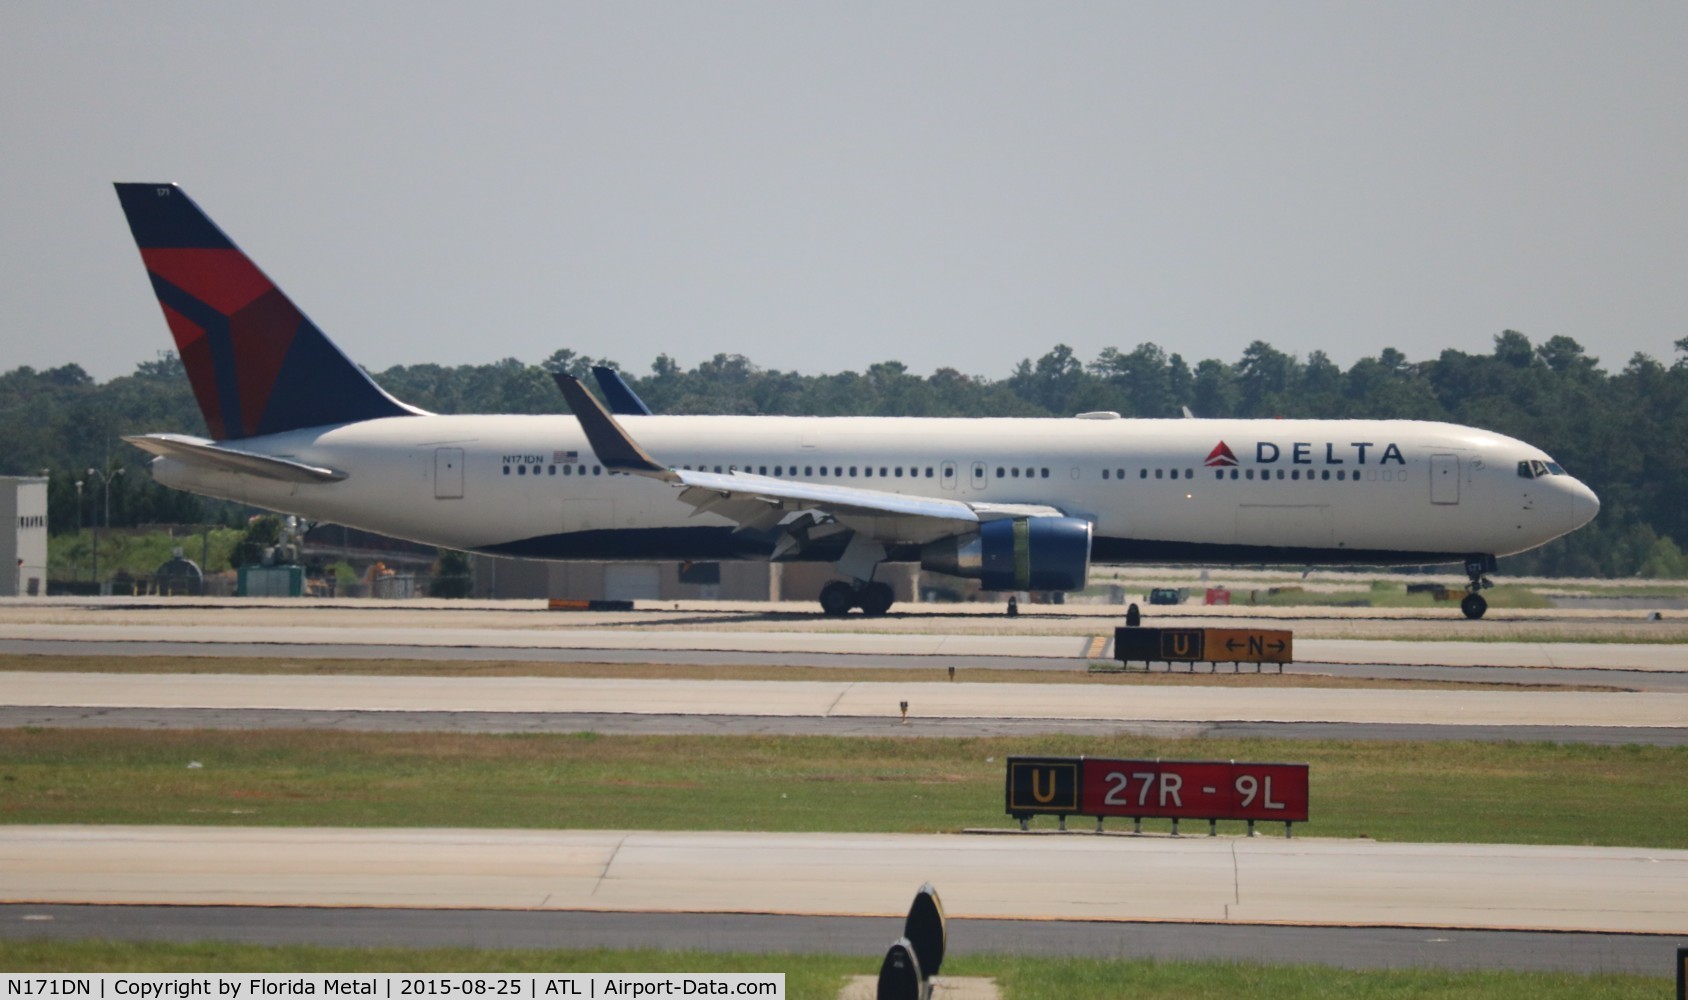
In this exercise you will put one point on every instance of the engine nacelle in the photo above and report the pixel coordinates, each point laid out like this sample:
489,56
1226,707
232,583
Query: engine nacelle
1027,553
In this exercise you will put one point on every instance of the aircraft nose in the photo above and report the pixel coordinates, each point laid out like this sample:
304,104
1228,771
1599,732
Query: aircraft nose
1584,505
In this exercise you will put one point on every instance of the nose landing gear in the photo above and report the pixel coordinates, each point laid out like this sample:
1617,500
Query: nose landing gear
1473,604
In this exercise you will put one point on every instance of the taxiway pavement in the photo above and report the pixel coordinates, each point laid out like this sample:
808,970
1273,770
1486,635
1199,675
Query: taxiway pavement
1262,880
846,699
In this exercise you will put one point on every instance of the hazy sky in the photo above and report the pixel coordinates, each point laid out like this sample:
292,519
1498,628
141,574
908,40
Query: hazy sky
825,186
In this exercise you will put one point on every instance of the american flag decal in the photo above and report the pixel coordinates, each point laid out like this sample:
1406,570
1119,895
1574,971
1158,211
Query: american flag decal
565,457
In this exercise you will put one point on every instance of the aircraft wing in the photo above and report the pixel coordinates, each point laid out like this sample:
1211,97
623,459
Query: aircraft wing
762,502
210,455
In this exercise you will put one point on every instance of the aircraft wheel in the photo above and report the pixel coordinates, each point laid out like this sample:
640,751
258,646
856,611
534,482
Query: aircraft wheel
876,598
1473,605
837,598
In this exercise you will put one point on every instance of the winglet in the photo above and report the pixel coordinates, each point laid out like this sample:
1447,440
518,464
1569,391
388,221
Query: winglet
621,397
614,447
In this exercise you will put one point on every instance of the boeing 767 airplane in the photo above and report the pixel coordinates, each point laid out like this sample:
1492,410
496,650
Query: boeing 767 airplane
1017,504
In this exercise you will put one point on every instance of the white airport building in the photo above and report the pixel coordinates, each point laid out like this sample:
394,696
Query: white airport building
23,543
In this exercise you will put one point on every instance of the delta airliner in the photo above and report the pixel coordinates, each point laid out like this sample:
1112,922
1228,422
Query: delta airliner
1018,504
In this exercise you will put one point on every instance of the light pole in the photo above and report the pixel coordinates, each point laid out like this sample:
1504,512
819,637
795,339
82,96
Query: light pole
105,483
79,506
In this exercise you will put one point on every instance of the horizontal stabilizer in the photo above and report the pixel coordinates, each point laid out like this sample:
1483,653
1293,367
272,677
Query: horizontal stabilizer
208,455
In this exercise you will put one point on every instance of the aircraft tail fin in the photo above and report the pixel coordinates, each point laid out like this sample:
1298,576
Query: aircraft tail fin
624,402
256,363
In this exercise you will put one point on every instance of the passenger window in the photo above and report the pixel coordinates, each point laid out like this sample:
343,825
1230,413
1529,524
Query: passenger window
1104,473
1248,474
506,470
1044,473
1142,473
1158,473
1016,473
1191,474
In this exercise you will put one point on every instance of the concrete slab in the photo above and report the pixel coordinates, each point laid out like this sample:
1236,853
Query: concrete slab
492,639
1565,655
1075,876
832,699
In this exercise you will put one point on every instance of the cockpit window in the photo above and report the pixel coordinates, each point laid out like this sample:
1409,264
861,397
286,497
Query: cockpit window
1539,468
1556,468
1525,472
1535,468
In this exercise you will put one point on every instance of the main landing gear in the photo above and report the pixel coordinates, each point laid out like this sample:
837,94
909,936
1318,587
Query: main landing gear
838,597
1473,603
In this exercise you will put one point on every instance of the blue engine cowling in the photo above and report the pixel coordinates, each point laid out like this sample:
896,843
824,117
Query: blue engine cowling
1027,553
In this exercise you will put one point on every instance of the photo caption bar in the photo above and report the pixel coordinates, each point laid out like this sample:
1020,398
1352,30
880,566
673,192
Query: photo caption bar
398,986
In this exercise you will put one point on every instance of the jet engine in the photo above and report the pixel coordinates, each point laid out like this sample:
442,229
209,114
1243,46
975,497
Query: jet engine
1027,553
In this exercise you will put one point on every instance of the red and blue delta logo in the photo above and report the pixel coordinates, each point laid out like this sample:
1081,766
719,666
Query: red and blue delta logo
1221,455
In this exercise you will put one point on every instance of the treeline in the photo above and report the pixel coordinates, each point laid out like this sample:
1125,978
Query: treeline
1625,433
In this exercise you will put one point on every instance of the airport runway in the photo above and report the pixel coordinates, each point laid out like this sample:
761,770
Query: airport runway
217,639
1001,875
868,937
1659,677
845,699
617,723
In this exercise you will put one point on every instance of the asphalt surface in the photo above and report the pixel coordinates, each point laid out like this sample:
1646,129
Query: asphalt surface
612,723
1540,676
868,937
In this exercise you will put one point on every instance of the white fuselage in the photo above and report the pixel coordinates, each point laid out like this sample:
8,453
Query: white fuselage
1326,491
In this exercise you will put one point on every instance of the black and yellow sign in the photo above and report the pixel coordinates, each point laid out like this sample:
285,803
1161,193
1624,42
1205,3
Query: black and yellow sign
1042,785
1203,645
1248,645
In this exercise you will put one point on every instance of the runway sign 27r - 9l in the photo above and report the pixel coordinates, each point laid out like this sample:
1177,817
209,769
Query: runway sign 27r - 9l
1164,789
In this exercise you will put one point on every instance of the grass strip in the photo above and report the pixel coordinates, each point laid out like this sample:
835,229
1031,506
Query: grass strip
820,977
1451,792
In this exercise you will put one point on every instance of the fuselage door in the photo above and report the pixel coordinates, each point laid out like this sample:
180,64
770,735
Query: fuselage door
1444,479
948,479
448,473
